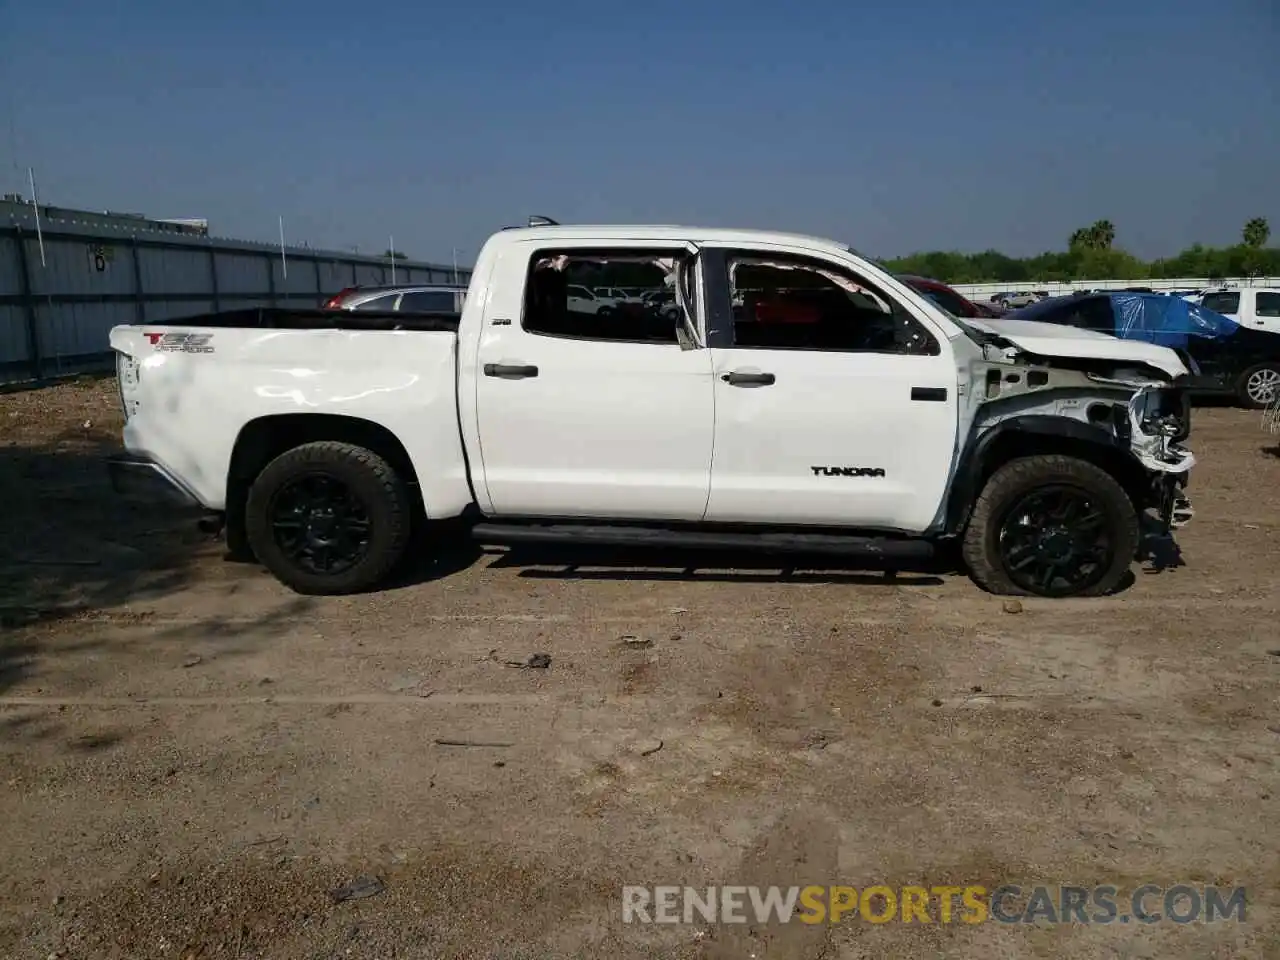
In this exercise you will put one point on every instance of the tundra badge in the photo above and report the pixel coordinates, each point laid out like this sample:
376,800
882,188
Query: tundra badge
847,471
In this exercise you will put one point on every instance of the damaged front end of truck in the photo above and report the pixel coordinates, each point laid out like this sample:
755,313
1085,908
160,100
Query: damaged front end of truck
1127,404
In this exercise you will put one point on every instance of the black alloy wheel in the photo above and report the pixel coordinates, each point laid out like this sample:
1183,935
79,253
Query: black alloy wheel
320,524
329,517
1055,541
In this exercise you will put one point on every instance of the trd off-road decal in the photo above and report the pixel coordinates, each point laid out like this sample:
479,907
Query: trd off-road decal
847,471
181,342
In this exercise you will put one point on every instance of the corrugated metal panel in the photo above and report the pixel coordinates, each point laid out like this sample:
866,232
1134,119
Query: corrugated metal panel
86,265
244,303
80,268
174,271
335,276
242,274
296,277
371,275
173,310
13,337
66,366
73,329
10,268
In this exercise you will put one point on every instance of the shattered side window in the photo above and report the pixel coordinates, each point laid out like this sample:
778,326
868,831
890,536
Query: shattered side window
799,304
559,302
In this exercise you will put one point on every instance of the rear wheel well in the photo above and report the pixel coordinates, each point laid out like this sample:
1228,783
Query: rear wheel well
262,440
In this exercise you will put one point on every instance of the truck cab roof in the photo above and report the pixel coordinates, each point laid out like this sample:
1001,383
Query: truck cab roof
573,232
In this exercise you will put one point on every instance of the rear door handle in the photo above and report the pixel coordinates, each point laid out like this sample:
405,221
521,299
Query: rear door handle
736,379
510,371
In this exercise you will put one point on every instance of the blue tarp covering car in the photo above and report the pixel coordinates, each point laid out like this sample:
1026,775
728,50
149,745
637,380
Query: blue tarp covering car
1167,321
1224,356
1151,317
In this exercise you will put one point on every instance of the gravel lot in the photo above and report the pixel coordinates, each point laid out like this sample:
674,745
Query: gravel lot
193,758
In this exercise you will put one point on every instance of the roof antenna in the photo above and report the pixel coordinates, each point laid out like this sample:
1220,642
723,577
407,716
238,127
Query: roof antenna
542,222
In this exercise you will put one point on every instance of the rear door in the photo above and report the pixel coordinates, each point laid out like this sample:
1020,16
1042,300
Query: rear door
835,402
585,416
1266,310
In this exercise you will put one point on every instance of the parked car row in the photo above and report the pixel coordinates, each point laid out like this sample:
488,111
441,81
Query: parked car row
1228,357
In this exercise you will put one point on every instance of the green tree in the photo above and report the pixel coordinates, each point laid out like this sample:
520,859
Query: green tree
395,255
1097,236
1256,232
1103,233
1090,255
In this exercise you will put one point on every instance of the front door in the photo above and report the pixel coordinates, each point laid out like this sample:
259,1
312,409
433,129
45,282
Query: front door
581,415
834,404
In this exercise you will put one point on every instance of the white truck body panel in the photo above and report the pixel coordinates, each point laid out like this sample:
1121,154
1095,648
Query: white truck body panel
1058,340
193,406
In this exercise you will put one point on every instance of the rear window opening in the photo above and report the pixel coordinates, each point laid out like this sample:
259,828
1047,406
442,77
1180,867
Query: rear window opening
561,298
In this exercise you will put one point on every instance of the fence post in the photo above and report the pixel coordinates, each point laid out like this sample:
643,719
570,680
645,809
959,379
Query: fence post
34,352
140,308
213,279
319,283
271,277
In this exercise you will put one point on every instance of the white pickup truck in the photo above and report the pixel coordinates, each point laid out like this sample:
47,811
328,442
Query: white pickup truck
830,409
1253,307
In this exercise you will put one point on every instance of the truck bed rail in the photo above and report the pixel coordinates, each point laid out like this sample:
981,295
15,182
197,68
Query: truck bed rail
286,318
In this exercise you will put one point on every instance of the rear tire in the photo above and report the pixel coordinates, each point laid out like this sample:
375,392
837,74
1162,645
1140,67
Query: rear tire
1051,526
328,518
1259,385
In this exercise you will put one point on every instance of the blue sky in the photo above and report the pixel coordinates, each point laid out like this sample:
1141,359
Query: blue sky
893,127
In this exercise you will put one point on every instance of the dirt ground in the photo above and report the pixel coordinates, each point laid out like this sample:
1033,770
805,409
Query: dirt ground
193,758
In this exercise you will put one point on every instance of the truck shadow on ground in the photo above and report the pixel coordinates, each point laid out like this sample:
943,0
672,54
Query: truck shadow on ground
651,564
440,557
79,569
66,548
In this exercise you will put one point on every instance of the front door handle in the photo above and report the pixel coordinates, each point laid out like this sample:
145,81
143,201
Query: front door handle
937,394
510,371
736,379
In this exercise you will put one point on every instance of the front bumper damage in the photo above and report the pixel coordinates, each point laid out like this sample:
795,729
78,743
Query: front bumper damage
1159,420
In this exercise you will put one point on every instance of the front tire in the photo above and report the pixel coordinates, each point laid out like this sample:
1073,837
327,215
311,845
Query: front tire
1259,385
328,518
1051,526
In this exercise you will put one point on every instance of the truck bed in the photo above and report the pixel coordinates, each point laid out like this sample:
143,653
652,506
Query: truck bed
232,370
315,318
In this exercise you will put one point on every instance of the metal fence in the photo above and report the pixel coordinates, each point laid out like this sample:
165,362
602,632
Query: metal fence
63,290
982,291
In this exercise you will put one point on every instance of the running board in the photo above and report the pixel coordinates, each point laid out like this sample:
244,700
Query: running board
881,548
